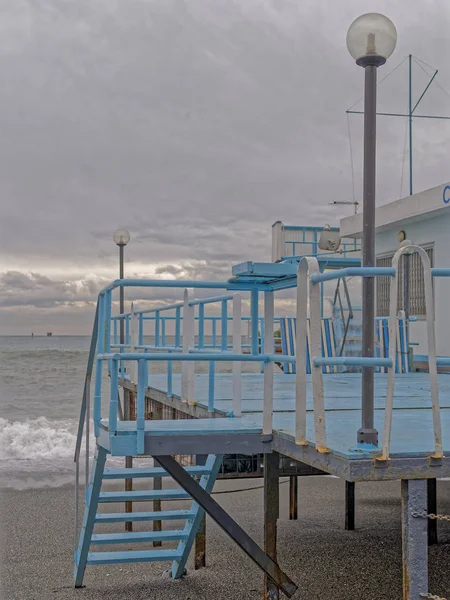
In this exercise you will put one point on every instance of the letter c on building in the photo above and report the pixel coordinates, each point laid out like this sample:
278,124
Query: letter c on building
446,194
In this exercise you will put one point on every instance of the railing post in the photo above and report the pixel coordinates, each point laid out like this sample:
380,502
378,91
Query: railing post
163,331
140,409
237,349
224,326
114,397
312,266
134,340
99,365
201,326
188,367
300,352
212,369
141,329
178,327
157,323
214,332
268,367
254,320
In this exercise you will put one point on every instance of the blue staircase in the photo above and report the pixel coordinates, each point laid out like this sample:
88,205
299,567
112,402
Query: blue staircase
84,556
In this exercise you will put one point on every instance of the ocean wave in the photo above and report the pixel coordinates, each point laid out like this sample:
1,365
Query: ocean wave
37,439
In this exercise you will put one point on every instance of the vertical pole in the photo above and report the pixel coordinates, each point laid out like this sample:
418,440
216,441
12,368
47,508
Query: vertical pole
414,539
268,367
254,320
224,326
201,326
406,265
157,481
349,505
126,396
410,127
432,509
271,514
368,434
121,296
237,349
293,498
200,538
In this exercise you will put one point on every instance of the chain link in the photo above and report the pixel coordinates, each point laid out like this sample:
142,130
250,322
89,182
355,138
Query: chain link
431,597
424,515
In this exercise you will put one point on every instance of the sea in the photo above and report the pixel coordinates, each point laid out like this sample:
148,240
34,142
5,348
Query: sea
41,386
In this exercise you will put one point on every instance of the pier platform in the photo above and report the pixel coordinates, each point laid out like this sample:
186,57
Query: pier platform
412,427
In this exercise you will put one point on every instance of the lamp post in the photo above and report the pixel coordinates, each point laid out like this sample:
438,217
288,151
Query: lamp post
121,238
371,39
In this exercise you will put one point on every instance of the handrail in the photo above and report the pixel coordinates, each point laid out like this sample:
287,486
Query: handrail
87,381
352,272
180,284
432,363
85,411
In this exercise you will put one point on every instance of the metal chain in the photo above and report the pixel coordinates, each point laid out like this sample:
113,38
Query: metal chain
424,515
431,597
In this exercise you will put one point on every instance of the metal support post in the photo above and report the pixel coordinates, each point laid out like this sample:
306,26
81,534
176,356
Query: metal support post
157,481
200,538
271,515
414,539
231,528
368,434
349,505
293,498
432,509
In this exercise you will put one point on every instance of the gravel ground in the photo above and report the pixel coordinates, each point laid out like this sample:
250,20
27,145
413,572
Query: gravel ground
323,559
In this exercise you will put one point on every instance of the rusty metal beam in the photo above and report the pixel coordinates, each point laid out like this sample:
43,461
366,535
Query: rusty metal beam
157,481
231,528
200,538
200,546
293,498
432,508
128,409
349,505
271,515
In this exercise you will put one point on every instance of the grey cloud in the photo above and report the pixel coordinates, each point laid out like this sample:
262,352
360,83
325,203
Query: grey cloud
195,124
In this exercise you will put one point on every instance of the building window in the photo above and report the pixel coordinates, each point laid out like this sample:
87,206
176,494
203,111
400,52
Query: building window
416,284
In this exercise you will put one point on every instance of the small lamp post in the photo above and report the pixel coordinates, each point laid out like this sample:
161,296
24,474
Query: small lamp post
371,39
121,238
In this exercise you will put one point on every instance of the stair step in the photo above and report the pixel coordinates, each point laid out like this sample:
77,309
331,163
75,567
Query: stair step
112,558
142,495
163,515
138,536
148,472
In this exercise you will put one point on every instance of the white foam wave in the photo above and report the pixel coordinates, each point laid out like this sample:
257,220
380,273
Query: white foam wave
37,439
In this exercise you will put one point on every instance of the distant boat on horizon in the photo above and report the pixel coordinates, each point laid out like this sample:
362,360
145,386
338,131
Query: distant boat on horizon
49,334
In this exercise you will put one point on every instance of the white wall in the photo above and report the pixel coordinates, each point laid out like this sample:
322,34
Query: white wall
434,229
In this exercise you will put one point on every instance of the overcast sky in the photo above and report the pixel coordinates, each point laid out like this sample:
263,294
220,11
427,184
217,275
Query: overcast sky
195,124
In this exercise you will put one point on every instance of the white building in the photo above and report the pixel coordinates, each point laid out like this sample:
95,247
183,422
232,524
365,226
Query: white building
424,218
